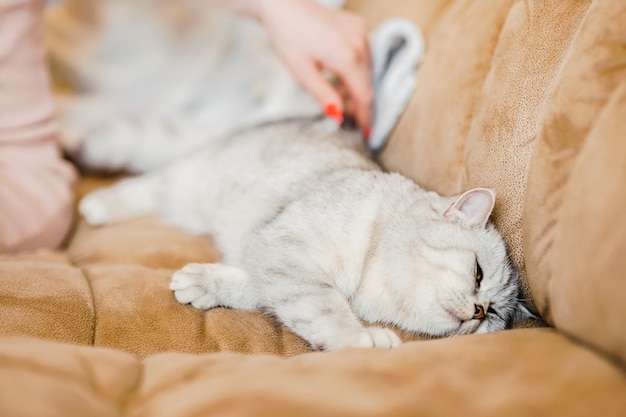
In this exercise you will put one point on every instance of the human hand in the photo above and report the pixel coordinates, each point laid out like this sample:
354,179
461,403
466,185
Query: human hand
313,39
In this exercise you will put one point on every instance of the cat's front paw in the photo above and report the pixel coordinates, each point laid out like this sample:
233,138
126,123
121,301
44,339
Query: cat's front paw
367,337
94,209
190,286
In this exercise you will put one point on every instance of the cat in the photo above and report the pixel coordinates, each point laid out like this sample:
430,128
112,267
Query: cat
316,234
143,82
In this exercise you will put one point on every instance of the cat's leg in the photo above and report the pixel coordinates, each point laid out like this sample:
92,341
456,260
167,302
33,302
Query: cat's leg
205,286
321,314
129,198
296,281
138,144
323,318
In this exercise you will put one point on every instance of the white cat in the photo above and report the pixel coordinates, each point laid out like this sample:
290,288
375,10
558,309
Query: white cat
146,81
313,232
150,80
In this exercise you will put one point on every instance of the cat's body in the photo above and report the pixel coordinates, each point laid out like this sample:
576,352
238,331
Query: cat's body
143,82
150,80
315,233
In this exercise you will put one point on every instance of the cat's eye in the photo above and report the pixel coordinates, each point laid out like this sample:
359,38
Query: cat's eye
479,274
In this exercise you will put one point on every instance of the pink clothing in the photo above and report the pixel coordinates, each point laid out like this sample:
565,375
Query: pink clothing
36,185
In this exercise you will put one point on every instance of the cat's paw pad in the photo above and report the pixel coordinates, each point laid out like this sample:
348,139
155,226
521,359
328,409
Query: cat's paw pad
94,209
369,337
190,286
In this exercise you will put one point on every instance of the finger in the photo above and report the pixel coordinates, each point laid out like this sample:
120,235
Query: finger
356,76
361,89
311,78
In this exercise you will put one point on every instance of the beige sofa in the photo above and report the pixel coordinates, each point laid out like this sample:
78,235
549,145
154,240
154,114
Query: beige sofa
527,97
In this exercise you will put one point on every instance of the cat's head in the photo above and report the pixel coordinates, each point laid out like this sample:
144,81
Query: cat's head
448,269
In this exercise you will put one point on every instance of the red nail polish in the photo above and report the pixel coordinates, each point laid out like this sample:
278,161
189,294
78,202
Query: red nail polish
366,132
332,111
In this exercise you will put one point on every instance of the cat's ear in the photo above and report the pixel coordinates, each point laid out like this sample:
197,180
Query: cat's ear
473,207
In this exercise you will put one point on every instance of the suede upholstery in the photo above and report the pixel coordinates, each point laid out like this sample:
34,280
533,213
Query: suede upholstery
526,97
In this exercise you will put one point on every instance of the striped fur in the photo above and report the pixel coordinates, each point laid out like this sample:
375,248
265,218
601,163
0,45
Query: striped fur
314,233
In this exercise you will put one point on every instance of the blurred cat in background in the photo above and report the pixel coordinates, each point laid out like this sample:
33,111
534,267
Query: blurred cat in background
157,78
141,82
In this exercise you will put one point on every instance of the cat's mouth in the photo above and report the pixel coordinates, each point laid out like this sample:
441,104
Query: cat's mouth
463,324
470,326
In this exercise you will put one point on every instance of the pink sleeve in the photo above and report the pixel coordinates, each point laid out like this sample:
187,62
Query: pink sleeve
35,183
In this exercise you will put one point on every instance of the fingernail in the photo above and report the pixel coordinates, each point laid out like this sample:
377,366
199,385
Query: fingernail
366,132
332,111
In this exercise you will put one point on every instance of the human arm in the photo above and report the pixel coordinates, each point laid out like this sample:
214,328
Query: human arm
36,184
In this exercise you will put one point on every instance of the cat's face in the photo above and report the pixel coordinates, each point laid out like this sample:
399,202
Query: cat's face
467,283
452,275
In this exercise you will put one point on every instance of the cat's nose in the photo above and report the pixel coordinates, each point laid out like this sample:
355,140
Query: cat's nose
479,312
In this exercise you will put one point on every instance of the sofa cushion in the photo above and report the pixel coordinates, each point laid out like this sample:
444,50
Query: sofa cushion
515,373
126,306
574,232
585,280
42,295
